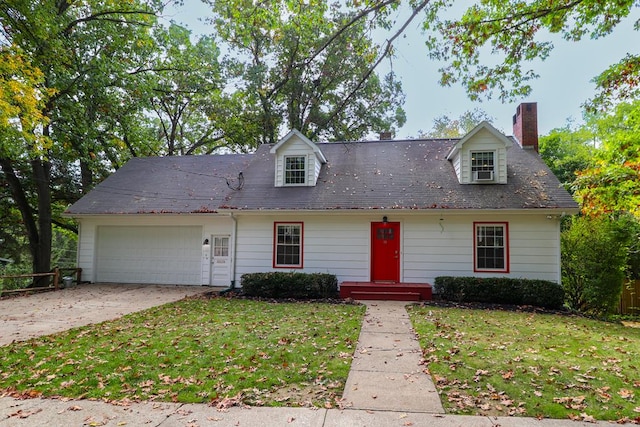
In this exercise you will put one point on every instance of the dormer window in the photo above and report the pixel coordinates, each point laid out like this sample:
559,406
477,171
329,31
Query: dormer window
480,157
298,161
295,170
482,165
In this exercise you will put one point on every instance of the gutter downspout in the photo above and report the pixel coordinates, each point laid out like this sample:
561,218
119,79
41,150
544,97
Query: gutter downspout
233,251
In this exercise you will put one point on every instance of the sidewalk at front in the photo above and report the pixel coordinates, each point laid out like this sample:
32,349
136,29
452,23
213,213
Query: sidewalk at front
72,413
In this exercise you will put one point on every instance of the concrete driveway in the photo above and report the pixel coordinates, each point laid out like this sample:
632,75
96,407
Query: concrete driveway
28,316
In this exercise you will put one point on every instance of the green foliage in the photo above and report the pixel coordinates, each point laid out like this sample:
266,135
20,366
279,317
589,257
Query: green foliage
512,33
612,183
203,351
290,285
10,283
500,290
594,258
309,66
22,99
621,81
75,66
499,363
567,151
64,248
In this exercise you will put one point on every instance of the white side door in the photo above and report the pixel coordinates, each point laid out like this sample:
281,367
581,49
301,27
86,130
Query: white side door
220,261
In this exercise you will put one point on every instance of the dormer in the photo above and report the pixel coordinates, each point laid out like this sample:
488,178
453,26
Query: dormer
298,161
480,157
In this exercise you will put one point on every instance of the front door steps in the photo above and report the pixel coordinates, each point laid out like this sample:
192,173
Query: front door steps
386,291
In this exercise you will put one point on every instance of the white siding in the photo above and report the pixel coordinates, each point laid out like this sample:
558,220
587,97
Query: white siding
432,245
336,244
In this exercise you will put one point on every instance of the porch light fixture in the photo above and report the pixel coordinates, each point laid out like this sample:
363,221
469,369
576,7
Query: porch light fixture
385,219
206,242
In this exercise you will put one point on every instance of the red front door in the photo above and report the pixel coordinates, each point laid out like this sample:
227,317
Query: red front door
385,251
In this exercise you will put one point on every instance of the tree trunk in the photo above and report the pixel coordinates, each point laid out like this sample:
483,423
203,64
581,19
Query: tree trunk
37,227
42,254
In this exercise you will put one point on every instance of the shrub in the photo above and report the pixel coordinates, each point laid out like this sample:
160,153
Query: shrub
500,290
290,285
594,258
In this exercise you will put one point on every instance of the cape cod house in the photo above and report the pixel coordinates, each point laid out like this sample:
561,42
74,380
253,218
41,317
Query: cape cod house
379,212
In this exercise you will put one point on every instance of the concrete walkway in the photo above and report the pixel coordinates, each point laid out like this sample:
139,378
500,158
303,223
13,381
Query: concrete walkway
387,385
387,372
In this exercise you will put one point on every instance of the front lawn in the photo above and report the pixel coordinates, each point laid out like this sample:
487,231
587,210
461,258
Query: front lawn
525,364
259,353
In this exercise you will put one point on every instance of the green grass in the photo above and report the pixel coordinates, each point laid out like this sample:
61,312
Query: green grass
272,354
524,364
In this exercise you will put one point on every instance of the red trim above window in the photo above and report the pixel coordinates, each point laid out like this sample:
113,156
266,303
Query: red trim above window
507,262
300,264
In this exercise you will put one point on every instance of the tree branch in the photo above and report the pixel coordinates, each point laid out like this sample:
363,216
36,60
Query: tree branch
386,51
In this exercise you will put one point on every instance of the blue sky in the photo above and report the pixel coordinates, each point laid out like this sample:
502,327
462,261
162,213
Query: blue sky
564,83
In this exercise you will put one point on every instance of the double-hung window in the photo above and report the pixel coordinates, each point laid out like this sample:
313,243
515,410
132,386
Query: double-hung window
287,245
491,250
482,165
295,170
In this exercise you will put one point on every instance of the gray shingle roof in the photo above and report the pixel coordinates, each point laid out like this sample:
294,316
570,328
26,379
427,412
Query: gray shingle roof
185,184
412,174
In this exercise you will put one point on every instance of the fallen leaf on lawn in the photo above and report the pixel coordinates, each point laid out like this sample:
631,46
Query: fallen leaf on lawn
507,375
571,402
228,402
626,394
587,418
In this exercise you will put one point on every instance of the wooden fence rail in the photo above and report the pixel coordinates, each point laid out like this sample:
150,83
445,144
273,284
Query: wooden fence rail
53,279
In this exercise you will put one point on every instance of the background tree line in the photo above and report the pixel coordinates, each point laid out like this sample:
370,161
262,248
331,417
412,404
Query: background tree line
85,86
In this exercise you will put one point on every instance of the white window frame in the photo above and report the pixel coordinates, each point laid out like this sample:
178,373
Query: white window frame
280,242
481,168
294,174
479,244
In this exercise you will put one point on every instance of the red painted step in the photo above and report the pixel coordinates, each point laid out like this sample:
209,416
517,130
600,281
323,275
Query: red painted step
388,291
385,296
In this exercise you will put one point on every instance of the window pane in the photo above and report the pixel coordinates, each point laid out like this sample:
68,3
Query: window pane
294,170
384,234
221,246
288,244
490,248
482,161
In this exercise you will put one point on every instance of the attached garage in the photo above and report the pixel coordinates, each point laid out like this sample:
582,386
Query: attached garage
149,254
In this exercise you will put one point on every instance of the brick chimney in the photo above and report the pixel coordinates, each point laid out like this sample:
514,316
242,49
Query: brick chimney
386,135
525,125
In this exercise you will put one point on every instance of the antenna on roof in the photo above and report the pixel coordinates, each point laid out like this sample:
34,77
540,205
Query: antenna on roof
239,185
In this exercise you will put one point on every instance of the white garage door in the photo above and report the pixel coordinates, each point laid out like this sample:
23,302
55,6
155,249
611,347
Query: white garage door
162,255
